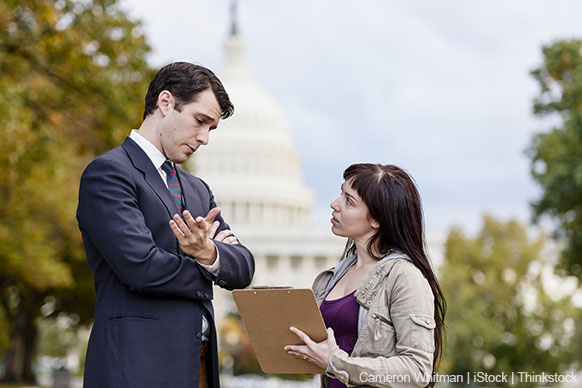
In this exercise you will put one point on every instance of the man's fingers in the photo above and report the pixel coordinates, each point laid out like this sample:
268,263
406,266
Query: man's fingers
188,219
212,214
181,225
222,235
203,223
230,240
213,229
177,232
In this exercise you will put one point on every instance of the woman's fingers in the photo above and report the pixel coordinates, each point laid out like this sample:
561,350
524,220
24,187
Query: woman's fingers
316,353
299,355
297,350
331,337
302,336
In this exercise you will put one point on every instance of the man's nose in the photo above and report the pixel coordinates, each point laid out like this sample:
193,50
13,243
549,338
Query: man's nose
202,136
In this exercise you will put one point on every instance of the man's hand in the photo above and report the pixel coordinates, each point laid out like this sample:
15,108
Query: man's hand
194,235
225,236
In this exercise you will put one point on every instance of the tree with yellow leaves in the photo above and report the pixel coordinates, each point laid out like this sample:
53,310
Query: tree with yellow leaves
72,78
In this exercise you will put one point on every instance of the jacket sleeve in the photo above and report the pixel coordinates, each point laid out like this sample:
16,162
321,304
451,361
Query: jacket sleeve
237,265
113,223
412,315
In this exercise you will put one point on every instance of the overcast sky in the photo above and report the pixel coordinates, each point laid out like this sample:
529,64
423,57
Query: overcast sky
441,88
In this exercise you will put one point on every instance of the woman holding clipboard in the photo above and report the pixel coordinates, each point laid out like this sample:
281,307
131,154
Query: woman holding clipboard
382,303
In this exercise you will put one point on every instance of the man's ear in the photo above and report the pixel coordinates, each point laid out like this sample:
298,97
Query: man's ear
165,102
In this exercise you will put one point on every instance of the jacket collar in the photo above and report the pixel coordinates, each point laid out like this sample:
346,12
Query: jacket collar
143,163
369,286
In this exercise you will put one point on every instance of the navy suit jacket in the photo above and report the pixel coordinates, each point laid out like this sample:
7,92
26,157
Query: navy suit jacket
150,294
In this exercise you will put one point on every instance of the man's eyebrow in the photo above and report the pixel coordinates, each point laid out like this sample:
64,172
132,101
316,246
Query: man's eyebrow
206,116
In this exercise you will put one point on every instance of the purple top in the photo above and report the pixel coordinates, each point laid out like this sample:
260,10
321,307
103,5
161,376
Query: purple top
342,316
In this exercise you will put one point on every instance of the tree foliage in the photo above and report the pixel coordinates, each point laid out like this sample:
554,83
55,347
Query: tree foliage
74,74
557,155
500,318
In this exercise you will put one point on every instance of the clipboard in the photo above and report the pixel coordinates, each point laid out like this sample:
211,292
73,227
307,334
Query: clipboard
267,313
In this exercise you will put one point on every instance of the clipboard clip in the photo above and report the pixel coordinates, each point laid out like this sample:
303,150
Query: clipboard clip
271,287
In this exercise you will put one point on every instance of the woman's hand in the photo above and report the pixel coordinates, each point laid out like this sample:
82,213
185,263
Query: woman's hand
316,353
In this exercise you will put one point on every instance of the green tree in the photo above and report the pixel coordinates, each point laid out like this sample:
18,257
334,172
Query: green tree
73,78
557,155
57,336
500,318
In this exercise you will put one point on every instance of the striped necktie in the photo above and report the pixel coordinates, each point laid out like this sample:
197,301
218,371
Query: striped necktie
173,185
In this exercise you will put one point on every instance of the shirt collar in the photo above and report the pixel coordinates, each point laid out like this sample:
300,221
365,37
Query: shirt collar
151,151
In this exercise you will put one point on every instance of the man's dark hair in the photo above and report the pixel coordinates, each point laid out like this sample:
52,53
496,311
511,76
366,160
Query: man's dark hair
185,80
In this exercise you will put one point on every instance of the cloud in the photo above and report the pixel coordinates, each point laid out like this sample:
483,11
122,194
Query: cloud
441,88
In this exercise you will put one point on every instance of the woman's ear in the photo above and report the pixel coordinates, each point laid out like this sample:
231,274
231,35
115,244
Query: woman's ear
374,224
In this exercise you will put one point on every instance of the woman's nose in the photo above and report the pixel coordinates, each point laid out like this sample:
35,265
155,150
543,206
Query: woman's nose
333,205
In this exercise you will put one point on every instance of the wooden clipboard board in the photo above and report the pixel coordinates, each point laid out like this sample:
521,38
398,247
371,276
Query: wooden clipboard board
267,314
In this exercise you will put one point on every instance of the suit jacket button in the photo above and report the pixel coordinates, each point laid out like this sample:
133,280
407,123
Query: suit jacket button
199,336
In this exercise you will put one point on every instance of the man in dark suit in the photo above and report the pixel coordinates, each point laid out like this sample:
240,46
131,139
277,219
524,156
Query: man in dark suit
153,275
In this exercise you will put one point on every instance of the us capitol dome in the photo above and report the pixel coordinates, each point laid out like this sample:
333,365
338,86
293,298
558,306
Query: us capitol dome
256,174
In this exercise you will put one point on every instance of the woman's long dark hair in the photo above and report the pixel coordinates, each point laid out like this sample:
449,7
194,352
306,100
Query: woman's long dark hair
393,201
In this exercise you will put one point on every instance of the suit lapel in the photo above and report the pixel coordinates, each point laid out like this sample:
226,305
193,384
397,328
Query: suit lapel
190,197
141,162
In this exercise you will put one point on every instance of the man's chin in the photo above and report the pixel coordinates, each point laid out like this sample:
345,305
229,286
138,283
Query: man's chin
180,159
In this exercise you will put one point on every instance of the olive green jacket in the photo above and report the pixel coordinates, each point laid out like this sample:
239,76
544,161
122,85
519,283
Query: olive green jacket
396,324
